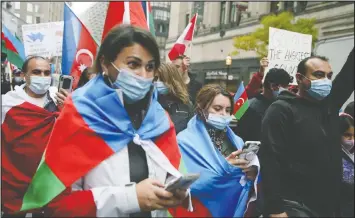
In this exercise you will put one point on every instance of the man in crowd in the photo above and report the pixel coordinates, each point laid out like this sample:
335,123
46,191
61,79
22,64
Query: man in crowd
183,63
300,153
249,126
28,116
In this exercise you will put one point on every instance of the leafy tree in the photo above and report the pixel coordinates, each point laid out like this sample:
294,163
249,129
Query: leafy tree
259,40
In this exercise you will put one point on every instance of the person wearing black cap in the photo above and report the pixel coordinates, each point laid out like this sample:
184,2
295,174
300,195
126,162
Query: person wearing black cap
249,126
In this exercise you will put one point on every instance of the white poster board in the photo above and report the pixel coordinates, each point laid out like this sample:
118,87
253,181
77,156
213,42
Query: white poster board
287,49
43,39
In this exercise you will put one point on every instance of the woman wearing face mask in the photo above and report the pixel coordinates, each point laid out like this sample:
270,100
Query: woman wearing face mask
119,144
347,144
210,147
173,96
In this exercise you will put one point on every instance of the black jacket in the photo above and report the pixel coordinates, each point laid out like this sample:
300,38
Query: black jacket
179,112
300,155
193,87
249,126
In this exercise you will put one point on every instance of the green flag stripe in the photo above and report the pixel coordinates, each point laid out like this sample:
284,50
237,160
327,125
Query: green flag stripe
182,168
44,187
151,24
242,110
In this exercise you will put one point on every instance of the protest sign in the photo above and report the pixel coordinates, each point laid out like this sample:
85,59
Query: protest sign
287,49
43,39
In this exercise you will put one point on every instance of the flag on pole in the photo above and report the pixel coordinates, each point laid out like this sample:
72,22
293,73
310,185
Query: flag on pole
124,12
241,103
183,41
13,47
79,47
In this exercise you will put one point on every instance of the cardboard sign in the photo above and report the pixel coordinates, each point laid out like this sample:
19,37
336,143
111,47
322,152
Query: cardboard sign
287,49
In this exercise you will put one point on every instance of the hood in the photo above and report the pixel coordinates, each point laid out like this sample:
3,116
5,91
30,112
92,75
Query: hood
287,95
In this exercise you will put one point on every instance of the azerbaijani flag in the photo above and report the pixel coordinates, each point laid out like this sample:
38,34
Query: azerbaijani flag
93,126
79,47
13,47
25,130
222,189
241,102
127,12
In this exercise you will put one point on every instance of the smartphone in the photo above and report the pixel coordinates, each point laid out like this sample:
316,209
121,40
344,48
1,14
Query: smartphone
250,149
184,182
66,83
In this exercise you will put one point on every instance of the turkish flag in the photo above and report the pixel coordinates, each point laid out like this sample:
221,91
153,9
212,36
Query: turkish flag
79,47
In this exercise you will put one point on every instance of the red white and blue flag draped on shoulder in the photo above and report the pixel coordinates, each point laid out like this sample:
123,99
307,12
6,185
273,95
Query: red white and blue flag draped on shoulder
125,12
79,47
92,126
222,189
25,130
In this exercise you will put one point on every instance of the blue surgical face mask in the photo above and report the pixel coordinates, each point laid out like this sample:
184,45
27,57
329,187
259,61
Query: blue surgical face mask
320,88
218,121
161,87
40,84
133,87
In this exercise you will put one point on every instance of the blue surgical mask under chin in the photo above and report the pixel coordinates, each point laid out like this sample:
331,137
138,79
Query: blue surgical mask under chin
320,88
134,87
278,92
161,87
218,121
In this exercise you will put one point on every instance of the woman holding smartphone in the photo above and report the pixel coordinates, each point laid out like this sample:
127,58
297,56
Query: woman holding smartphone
210,147
114,147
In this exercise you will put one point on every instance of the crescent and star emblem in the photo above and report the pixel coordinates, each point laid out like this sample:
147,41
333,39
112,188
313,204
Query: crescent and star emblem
239,102
83,66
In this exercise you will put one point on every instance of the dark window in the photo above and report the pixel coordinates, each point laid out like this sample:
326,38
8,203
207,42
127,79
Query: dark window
274,7
38,20
223,12
198,8
300,7
288,6
187,19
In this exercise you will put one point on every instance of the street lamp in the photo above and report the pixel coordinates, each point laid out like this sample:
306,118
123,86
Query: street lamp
228,63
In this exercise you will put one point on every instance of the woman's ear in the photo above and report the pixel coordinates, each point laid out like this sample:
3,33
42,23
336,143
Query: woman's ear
103,65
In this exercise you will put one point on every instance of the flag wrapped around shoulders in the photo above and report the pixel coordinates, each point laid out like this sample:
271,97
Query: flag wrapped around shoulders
92,126
25,130
222,190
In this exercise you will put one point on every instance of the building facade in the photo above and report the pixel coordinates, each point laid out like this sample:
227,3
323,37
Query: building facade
12,22
219,22
94,19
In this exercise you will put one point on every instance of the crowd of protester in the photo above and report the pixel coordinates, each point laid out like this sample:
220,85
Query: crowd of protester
304,167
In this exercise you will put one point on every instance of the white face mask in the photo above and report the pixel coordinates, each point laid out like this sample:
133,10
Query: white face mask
40,84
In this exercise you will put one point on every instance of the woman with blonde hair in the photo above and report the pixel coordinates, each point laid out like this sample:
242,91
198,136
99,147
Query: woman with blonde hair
173,96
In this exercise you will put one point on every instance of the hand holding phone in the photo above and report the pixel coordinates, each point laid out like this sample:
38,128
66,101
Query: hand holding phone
183,182
66,83
250,149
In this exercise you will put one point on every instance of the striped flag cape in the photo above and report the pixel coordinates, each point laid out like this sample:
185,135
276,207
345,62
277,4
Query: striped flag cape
13,47
25,131
241,102
92,126
222,190
127,12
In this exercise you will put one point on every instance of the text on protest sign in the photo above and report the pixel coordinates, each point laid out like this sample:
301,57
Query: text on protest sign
287,49
43,39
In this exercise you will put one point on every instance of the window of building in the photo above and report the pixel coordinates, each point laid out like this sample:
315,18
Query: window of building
198,8
300,6
275,6
161,15
187,19
38,19
223,12
29,7
233,12
36,8
17,15
17,5
29,19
